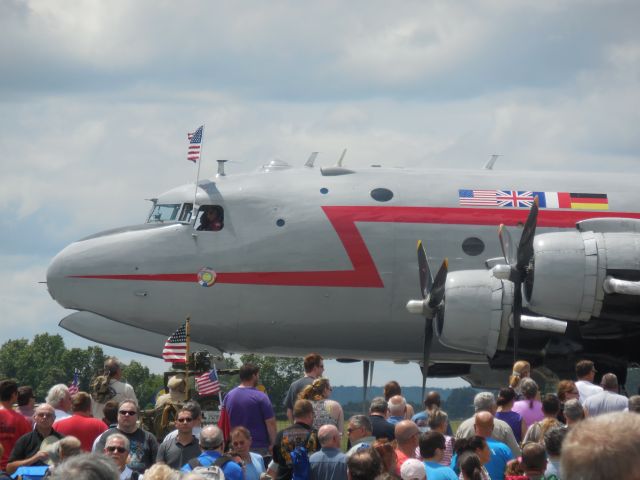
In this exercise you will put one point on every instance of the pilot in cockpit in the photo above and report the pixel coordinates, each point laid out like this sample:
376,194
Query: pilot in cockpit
212,219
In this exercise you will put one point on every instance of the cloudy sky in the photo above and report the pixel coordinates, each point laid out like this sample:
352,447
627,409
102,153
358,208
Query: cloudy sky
96,98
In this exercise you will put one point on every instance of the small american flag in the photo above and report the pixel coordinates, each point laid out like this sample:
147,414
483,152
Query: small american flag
73,388
175,348
208,383
485,198
195,143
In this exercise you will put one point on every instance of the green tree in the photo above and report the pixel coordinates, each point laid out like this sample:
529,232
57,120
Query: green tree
144,383
46,361
88,363
276,374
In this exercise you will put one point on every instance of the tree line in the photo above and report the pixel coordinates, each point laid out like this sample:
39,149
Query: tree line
46,361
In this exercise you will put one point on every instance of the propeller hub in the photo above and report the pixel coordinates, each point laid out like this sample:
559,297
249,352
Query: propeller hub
416,307
501,272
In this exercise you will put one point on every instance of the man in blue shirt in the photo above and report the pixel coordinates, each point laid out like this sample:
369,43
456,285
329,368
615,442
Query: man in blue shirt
500,452
212,446
432,445
329,463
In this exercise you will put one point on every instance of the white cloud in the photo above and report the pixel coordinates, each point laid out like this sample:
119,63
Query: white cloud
97,98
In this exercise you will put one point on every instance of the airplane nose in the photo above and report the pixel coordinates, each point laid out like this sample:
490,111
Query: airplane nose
59,280
88,256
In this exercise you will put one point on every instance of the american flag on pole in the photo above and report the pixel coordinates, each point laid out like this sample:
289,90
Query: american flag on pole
175,348
73,388
207,383
195,144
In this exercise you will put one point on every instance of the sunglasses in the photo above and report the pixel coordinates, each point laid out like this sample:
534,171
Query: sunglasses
116,449
131,413
185,420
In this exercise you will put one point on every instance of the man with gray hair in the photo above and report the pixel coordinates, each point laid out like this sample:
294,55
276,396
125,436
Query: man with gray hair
573,412
397,409
486,402
329,462
212,446
634,403
602,448
359,431
117,449
608,400
86,466
59,398
378,411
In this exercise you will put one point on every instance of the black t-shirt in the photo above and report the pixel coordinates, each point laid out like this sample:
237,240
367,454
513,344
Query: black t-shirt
286,441
29,444
381,428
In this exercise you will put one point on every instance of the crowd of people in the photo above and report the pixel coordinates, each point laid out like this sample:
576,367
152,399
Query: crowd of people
582,431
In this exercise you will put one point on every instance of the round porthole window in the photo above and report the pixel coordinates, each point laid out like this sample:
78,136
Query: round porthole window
473,246
280,222
381,194
324,191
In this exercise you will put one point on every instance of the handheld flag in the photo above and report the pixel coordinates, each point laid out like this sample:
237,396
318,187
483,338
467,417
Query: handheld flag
208,383
195,144
224,423
175,348
73,388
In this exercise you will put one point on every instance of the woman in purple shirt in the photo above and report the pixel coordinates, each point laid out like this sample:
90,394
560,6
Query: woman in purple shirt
506,398
530,408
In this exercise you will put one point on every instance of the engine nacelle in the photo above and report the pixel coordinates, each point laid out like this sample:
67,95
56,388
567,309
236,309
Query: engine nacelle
569,269
475,317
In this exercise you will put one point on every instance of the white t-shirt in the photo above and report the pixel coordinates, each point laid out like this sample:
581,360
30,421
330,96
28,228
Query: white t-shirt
124,391
587,389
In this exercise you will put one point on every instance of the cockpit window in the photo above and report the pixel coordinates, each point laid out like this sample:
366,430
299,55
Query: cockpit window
185,213
210,218
164,212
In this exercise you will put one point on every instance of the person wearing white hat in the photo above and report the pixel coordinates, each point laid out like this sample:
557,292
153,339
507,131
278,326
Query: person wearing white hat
413,469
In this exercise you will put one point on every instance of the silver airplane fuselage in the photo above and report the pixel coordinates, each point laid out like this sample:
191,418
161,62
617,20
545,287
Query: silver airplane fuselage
308,261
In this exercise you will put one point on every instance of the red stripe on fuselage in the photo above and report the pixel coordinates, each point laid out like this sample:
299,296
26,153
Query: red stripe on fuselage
364,272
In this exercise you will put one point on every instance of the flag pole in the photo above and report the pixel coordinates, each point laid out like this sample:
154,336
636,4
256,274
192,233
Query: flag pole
195,193
186,362
215,370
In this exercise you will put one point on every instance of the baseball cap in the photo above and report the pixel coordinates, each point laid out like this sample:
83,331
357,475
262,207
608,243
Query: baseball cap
413,469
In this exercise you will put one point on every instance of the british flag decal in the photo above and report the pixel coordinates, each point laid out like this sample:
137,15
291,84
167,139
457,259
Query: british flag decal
514,198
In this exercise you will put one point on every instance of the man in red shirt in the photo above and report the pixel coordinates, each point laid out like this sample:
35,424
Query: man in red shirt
407,433
12,424
81,424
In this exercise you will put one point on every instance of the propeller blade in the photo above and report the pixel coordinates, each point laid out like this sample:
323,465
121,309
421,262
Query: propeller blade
437,290
506,243
517,312
426,282
525,248
426,351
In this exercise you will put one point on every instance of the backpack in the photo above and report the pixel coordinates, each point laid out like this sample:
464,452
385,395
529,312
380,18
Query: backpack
31,473
300,463
213,471
101,391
